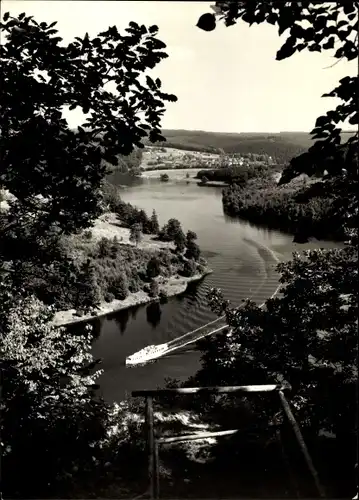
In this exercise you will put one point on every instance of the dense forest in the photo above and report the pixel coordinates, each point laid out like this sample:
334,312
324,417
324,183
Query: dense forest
190,146
291,209
240,174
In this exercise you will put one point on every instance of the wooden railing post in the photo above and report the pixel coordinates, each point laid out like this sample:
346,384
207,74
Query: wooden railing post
301,443
156,469
1,478
150,445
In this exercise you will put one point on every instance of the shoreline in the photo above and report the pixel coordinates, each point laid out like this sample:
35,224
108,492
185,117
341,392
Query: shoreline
173,286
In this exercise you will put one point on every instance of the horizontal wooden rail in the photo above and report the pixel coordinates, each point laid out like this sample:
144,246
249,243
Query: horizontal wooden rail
211,390
194,437
204,435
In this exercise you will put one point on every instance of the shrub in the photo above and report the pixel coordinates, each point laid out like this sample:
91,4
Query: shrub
88,291
180,242
87,235
164,178
189,268
193,250
136,234
110,196
135,282
153,267
172,231
153,289
119,287
154,225
163,295
104,248
115,248
165,258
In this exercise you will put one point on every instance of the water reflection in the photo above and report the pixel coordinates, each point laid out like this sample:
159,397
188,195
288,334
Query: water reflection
121,320
134,311
153,314
78,328
97,327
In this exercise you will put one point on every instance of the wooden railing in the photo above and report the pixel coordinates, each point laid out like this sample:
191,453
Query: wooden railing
153,441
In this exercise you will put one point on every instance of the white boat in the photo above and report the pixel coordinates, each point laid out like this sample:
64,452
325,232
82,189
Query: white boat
149,353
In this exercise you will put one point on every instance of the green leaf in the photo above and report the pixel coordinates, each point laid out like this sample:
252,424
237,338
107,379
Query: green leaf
297,31
314,47
339,53
207,22
342,35
153,29
349,7
6,16
21,16
272,18
329,44
287,50
321,121
285,19
354,120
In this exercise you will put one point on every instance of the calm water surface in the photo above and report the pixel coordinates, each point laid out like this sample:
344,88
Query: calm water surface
240,270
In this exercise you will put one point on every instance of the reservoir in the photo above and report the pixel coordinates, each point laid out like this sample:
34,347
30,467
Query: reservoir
239,254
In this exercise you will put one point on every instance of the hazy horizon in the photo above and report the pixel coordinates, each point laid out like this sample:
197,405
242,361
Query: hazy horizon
226,81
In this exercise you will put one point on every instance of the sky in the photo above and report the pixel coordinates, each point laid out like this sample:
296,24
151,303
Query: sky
226,80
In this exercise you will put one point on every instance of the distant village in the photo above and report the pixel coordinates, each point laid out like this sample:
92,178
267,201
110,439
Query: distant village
164,158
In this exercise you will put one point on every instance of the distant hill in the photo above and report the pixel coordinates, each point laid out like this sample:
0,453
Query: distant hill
281,146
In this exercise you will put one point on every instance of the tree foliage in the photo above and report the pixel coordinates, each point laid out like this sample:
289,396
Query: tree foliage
189,268
172,228
315,26
155,227
164,177
54,172
48,383
192,251
154,290
136,233
153,267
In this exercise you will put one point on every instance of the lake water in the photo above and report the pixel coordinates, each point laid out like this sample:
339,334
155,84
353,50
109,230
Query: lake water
238,253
